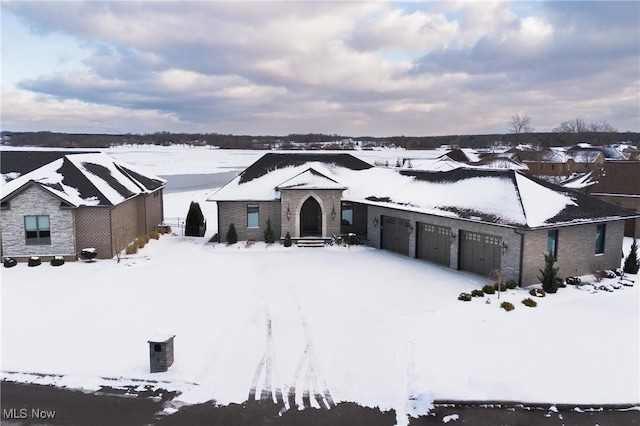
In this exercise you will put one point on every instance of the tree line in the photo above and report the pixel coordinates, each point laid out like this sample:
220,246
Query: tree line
315,140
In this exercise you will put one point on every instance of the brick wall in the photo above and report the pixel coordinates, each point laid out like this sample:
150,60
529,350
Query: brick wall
93,230
127,223
236,212
36,201
154,209
576,250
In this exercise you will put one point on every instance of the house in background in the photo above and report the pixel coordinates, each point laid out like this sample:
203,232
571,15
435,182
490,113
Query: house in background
58,203
476,220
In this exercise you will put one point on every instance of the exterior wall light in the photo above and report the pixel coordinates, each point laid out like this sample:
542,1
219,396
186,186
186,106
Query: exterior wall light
375,221
288,213
333,213
503,249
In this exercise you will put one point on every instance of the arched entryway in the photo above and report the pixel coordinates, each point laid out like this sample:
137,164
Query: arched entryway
310,218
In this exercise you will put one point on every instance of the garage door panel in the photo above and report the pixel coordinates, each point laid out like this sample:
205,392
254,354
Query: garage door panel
434,243
480,253
395,234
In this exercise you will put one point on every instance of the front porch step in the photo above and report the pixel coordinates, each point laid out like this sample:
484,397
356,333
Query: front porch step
310,242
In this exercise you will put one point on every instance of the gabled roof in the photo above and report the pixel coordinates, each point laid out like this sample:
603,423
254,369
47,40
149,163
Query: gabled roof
310,179
94,179
274,161
503,197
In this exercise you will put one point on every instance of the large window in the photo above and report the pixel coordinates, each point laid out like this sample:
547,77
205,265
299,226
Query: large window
37,230
253,216
600,236
552,243
347,214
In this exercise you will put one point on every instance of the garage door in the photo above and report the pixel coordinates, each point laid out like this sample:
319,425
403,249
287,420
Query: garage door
480,253
434,243
395,234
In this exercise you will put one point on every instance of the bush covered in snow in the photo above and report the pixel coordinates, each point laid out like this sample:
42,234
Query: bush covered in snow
511,284
529,302
34,261
88,253
132,248
10,262
573,280
465,297
507,306
538,292
477,293
57,261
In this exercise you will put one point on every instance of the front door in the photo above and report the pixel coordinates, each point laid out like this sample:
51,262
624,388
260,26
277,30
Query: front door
311,219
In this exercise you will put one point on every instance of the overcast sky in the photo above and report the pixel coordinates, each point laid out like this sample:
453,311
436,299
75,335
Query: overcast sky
357,68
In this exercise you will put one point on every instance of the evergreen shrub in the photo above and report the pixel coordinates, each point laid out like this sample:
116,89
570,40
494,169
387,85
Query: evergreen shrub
529,302
232,235
57,261
507,306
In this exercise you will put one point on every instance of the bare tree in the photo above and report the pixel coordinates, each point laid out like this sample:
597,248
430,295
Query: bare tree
520,123
579,125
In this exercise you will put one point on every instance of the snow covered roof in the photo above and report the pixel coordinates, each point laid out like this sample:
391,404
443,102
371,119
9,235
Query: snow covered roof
505,197
93,179
310,179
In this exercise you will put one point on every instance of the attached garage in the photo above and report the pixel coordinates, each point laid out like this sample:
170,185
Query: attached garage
434,243
480,253
395,234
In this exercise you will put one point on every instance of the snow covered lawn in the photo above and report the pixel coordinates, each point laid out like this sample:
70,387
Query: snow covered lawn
367,325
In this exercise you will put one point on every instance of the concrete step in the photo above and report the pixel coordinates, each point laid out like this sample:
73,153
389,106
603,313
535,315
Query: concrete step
310,243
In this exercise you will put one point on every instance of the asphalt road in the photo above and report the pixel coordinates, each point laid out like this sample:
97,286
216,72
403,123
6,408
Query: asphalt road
24,404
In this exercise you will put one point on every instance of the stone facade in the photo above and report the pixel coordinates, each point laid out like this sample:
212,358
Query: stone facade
34,201
330,206
236,212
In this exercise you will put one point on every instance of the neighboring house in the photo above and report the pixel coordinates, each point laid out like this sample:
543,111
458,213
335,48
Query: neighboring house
68,202
469,219
557,162
617,183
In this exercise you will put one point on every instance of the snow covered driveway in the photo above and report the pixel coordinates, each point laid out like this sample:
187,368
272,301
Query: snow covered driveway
360,325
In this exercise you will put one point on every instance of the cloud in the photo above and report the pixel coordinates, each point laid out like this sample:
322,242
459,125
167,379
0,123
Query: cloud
338,67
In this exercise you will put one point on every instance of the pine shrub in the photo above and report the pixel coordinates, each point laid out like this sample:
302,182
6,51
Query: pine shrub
489,289
549,275
507,306
34,261
631,263
287,240
465,297
154,234
57,261
529,302
232,235
269,236
511,284
194,221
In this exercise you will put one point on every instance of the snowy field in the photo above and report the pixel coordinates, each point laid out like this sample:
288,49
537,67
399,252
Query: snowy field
357,324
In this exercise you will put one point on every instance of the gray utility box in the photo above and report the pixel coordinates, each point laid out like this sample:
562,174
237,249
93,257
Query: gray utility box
161,352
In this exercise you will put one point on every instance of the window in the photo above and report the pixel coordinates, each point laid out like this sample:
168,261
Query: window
600,235
253,216
552,243
37,230
347,214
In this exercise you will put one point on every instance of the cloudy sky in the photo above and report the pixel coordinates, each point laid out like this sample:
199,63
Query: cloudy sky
351,68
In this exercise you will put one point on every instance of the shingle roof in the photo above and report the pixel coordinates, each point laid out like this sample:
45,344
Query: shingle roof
618,177
86,179
23,162
274,161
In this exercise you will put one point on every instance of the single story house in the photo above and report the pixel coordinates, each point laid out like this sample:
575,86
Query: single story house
469,219
68,202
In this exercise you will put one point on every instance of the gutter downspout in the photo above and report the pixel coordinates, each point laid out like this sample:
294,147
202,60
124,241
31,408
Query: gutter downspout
521,255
